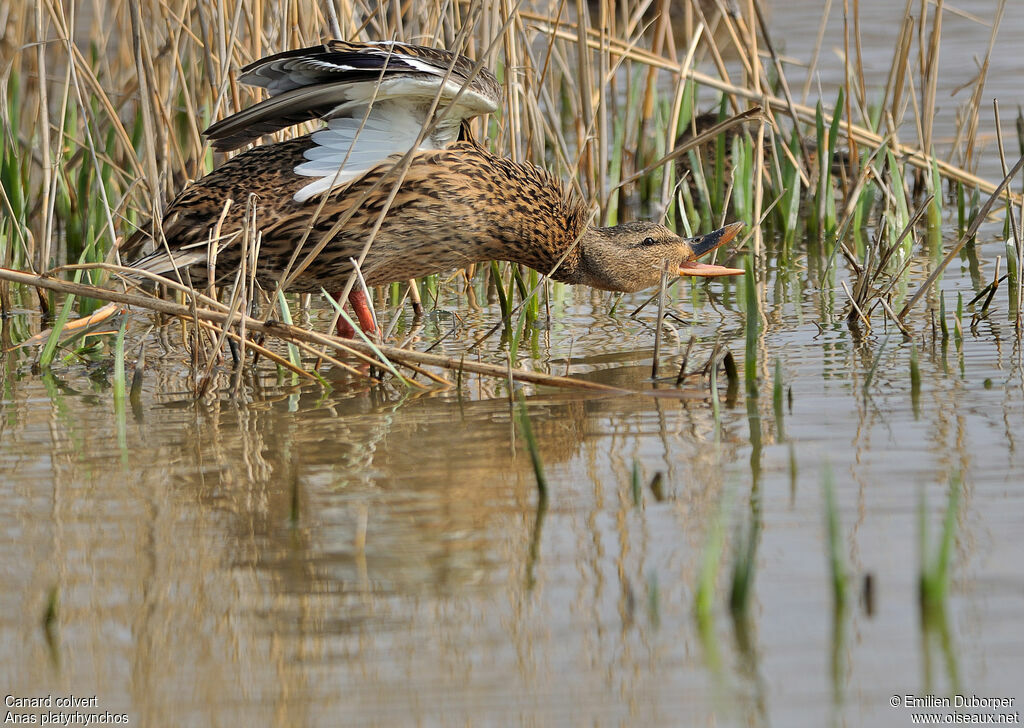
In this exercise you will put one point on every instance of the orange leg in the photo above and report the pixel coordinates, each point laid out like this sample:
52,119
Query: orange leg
357,299
361,306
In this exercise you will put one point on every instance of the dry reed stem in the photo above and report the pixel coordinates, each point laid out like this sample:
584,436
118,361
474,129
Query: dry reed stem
974,104
301,336
812,66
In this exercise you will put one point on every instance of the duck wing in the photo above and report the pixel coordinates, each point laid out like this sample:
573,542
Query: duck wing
343,79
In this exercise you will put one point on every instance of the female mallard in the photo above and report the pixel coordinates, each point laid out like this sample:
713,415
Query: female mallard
457,203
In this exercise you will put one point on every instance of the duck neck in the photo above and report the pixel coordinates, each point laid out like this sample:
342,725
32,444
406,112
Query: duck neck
538,223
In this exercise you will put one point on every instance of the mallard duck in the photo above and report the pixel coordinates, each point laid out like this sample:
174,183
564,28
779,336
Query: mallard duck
457,203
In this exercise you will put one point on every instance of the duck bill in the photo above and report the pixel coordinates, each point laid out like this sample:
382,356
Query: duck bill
703,245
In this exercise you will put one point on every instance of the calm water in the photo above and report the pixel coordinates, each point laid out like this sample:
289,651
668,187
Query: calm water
368,556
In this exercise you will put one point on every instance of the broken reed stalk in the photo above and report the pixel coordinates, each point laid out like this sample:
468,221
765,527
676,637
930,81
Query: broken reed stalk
686,358
301,336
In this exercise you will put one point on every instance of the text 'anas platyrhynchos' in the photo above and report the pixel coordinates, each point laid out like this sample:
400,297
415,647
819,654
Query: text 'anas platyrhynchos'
457,203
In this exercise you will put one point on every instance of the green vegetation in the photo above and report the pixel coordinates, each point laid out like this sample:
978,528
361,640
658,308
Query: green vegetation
933,581
833,531
531,445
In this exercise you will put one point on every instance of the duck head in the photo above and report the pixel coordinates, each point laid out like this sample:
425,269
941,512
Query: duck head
630,257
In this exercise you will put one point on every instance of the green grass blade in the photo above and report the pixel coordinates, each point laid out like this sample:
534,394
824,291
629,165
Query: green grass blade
50,348
531,444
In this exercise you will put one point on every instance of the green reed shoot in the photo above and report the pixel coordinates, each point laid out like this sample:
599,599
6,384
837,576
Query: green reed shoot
15,178
704,596
823,216
504,299
915,379
532,300
1020,130
1012,273
788,209
961,210
516,337
700,182
732,374
744,565
635,485
935,208
933,578
862,213
777,390
943,326
958,326
687,106
718,184
653,600
526,430
716,407
794,471
430,287
899,213
975,210
50,348
119,389
135,391
52,608
753,328
51,613
120,383
517,278
743,176
286,316
657,486
294,500
776,399
833,532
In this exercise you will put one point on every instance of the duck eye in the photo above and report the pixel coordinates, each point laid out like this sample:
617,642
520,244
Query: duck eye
649,241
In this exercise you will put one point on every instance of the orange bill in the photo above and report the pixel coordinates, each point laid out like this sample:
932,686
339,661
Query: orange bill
703,245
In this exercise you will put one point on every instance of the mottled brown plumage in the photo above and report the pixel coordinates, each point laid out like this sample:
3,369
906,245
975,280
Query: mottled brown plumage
457,203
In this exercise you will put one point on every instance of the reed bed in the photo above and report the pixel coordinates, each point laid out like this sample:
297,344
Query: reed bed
102,109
